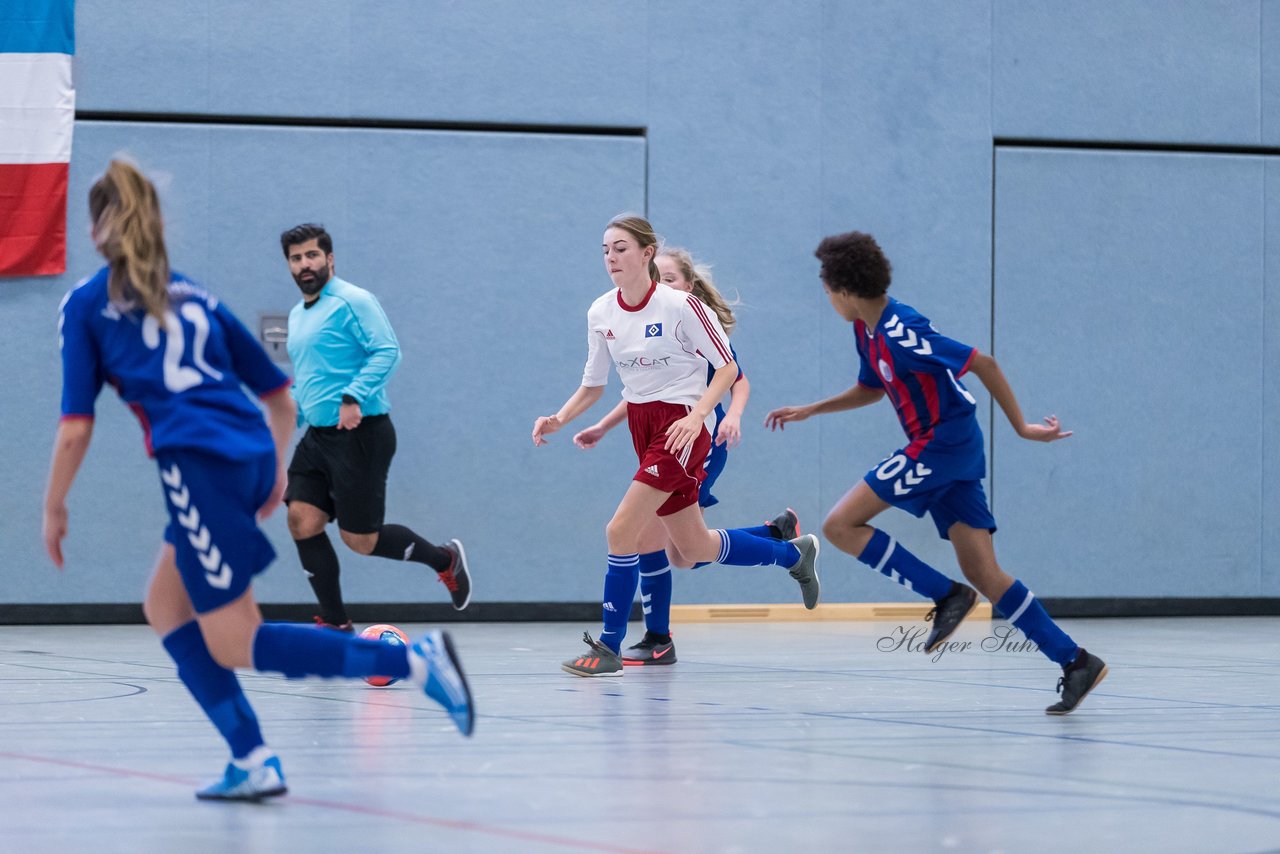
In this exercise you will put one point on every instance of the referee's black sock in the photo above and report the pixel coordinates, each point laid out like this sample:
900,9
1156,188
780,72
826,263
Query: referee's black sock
320,562
399,543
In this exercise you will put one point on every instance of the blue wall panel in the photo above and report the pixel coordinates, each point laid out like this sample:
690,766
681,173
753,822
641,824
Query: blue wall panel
1182,71
1129,303
1271,387
767,127
1270,56
573,62
734,175
440,226
906,156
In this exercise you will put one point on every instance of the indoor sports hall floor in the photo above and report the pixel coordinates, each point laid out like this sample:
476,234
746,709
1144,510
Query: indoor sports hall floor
768,737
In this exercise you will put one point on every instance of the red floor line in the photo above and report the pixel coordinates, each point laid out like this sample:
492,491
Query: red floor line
522,835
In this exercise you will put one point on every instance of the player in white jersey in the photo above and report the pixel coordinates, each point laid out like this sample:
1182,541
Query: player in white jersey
660,341
680,271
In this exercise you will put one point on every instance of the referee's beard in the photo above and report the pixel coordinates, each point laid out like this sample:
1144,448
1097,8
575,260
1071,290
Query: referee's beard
311,281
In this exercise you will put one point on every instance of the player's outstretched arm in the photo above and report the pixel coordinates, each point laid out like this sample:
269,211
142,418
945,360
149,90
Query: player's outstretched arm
590,437
730,432
69,447
582,400
988,370
852,398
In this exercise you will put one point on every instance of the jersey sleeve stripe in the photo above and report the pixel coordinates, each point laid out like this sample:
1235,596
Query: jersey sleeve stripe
711,332
272,392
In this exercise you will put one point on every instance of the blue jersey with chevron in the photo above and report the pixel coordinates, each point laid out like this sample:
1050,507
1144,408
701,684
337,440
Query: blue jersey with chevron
185,381
920,369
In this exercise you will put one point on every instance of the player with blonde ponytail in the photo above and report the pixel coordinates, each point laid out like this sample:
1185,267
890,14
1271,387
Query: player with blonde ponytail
182,361
129,232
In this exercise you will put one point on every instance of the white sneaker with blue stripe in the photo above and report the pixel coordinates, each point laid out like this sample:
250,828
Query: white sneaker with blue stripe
253,778
434,665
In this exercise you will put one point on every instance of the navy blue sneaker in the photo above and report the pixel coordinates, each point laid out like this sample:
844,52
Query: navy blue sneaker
434,665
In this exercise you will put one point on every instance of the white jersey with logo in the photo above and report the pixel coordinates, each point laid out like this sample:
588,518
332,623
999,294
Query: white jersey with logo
660,348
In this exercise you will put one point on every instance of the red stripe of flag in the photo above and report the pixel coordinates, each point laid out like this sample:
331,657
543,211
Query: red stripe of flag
715,338
33,219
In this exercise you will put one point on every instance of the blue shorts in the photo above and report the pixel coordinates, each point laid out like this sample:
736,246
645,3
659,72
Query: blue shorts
942,485
213,526
716,458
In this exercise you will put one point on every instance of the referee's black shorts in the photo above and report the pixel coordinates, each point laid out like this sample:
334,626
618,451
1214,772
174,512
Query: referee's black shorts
344,472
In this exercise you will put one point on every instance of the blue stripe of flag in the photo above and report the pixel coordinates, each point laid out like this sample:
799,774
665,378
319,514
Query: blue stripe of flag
37,26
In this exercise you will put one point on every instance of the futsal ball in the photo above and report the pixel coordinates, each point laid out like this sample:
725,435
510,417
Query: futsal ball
388,634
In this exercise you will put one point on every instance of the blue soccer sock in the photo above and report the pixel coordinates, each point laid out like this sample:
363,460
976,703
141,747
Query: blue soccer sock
619,592
759,531
215,688
655,592
739,548
299,651
1024,610
886,556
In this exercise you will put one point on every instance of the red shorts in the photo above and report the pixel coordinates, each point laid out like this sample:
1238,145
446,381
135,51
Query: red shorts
679,473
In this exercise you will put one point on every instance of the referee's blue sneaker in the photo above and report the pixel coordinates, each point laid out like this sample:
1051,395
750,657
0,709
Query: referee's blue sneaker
434,665
253,778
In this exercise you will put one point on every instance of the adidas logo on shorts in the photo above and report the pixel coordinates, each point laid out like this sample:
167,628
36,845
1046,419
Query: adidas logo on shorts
653,470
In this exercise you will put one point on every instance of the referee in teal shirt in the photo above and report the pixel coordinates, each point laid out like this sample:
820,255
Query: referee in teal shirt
343,351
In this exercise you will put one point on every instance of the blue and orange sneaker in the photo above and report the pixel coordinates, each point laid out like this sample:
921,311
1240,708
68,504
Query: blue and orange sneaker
434,665
253,778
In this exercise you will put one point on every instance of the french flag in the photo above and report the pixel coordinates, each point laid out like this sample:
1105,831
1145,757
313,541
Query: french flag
37,113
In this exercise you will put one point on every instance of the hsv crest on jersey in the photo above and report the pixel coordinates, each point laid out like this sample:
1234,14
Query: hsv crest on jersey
653,330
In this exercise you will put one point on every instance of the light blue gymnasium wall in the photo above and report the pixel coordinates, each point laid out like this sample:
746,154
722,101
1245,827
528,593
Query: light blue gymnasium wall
767,127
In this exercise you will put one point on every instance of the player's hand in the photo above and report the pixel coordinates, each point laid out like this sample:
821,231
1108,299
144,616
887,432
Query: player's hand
276,498
55,530
349,416
1049,431
730,432
776,419
589,438
545,425
681,434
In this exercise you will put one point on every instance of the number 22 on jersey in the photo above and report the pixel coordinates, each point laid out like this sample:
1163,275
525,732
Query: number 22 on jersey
177,376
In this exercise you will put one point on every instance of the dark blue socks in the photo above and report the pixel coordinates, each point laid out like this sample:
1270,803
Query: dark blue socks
740,548
886,556
298,651
1024,610
655,592
215,688
619,591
